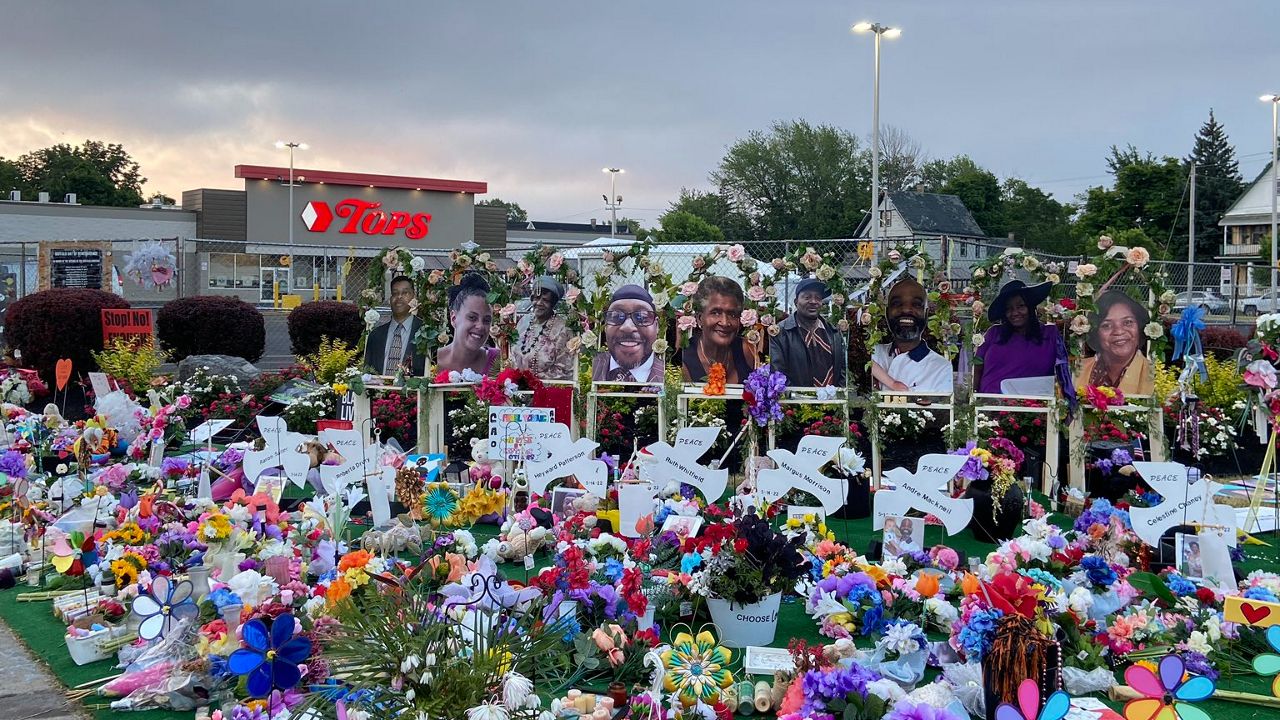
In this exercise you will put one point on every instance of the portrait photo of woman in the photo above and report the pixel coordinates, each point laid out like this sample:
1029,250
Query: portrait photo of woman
1116,338
471,318
1020,354
718,308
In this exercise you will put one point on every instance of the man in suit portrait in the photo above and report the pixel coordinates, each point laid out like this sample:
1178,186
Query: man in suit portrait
390,345
630,330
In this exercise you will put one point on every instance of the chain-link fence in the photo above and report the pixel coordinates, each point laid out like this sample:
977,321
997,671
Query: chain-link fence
256,272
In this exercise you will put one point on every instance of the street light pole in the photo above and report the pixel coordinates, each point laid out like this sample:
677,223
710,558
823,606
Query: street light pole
879,30
613,199
280,144
1274,99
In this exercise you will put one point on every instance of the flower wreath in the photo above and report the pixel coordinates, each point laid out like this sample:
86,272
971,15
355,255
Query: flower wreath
1114,263
987,279
621,263
937,289
761,312
432,290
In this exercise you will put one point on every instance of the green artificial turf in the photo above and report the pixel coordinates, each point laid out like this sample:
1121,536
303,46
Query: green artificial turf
43,633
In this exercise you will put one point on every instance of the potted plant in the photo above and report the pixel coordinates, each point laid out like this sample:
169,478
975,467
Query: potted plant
747,565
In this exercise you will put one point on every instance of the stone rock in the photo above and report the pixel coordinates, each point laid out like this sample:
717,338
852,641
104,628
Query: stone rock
242,369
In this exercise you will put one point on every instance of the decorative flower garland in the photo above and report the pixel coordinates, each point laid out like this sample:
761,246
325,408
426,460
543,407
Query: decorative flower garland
761,311
987,279
937,288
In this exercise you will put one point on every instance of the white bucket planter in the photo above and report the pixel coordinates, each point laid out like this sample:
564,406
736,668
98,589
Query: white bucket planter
744,625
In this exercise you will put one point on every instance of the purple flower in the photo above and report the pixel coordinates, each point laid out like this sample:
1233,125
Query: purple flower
766,388
172,466
840,683
13,464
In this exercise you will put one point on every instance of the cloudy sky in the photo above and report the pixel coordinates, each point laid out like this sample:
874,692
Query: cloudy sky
535,97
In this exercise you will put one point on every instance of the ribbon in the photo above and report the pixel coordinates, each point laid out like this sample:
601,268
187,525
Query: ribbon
1186,344
1062,370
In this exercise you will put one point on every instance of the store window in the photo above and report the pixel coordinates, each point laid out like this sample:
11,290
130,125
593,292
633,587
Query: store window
232,271
308,270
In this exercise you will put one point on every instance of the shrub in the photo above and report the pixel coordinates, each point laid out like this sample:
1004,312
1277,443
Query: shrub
1222,341
310,323
211,325
329,360
58,323
131,362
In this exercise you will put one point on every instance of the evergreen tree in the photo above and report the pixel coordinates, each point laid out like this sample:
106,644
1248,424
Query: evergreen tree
1218,184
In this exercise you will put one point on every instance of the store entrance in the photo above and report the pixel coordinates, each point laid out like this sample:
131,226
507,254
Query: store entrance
269,278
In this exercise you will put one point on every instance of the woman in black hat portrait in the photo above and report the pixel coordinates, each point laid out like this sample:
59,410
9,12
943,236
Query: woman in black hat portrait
542,338
1018,345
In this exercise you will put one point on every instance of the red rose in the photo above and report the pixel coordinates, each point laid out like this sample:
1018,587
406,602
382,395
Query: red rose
740,545
1205,595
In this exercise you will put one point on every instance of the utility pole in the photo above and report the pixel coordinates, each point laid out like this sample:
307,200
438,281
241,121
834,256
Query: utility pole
1191,238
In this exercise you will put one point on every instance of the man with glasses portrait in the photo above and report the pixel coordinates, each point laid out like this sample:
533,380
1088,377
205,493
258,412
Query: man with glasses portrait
630,331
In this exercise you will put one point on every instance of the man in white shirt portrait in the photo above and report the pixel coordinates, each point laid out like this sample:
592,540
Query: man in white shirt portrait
390,345
906,358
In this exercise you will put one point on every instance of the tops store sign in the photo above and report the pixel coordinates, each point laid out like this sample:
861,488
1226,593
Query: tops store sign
364,217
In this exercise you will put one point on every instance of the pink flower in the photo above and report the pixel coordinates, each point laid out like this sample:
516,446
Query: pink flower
756,293
779,263
767,320
689,288
699,263
555,261
571,294
686,323
1138,256
1260,374
749,317
736,253
507,311
895,256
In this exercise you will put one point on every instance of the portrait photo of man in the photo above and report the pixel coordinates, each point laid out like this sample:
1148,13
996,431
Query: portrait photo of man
906,363
808,349
630,331
390,345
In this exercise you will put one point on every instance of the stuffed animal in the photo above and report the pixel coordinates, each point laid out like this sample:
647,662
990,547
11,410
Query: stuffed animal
401,536
521,535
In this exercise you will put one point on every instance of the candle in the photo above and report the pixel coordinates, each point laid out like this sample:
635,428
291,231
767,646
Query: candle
763,701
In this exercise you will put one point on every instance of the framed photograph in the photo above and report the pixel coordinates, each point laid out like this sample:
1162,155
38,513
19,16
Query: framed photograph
562,500
272,485
902,535
1190,560
682,525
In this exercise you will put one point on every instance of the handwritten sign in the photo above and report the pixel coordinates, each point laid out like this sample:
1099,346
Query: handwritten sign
100,384
800,470
1184,503
679,463
508,438
129,324
925,490
280,451
559,456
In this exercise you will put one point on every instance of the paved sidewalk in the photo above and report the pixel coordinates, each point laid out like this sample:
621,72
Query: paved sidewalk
28,691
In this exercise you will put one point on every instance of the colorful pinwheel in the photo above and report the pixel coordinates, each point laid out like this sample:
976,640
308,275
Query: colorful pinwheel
1168,694
270,660
1269,663
74,558
697,668
166,604
1055,708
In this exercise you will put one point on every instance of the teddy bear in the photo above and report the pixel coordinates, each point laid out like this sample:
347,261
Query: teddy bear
521,535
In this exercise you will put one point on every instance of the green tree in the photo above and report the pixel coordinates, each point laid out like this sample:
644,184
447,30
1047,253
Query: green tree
936,174
1147,194
683,227
1218,184
10,177
979,190
797,181
515,213
1262,269
1036,220
99,173
716,209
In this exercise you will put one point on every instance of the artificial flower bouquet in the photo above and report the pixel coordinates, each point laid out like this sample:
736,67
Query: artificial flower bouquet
745,560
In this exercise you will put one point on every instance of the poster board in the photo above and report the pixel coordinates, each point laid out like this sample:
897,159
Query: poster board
74,265
127,324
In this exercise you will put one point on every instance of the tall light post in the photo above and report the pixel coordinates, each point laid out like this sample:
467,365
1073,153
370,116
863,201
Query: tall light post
613,201
280,145
889,32
1274,99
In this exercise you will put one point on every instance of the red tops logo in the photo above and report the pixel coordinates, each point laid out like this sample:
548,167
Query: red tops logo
363,216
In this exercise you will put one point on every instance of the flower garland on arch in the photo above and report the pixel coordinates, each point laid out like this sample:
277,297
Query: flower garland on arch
911,259
761,312
988,277
824,266
432,290
1114,263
